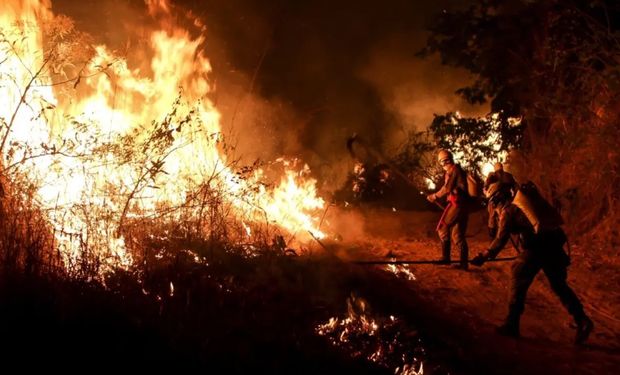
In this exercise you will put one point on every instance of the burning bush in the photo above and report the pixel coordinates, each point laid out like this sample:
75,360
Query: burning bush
104,148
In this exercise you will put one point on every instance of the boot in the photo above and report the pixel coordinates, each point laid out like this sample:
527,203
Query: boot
511,326
445,252
464,256
584,327
509,330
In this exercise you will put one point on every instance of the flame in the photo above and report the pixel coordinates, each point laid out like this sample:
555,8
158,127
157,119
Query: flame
487,169
493,142
385,341
139,138
430,184
400,271
248,229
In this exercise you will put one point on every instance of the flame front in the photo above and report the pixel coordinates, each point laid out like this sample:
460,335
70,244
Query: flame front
107,142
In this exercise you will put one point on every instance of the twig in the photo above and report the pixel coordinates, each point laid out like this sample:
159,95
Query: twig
318,241
22,100
323,217
252,83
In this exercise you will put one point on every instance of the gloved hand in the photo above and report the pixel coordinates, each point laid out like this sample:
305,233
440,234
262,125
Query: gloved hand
431,197
479,260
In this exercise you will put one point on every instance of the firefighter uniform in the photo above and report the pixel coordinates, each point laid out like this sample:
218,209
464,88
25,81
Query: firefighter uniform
539,251
506,182
452,226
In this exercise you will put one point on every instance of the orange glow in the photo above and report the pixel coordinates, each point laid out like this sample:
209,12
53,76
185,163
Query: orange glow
136,153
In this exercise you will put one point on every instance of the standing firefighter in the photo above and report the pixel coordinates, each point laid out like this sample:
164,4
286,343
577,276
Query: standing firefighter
542,241
453,223
507,183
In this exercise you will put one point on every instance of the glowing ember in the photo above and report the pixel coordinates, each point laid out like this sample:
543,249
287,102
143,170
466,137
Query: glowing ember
106,143
400,271
384,341
359,181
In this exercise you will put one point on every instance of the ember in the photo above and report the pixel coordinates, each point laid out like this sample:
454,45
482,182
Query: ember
385,341
400,271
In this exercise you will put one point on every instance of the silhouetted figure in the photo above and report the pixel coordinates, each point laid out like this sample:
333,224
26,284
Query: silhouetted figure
541,249
507,183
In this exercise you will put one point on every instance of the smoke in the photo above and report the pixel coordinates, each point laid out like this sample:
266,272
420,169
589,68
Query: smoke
413,89
297,78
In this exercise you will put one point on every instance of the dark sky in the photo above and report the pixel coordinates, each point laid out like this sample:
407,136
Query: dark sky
297,77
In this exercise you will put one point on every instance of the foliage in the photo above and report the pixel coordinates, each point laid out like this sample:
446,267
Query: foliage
414,157
476,141
72,149
556,64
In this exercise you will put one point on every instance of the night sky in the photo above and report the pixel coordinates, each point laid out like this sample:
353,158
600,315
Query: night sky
297,78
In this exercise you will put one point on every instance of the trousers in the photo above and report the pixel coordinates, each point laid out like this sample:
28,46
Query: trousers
554,263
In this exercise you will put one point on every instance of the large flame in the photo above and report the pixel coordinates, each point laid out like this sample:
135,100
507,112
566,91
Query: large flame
136,138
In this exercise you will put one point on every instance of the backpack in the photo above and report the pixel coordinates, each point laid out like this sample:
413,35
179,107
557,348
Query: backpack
474,187
472,191
539,212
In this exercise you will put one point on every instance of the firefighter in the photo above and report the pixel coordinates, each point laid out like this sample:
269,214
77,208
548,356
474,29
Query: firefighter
508,183
453,223
539,251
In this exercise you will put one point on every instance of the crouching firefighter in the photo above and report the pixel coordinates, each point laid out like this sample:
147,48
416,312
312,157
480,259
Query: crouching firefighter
453,223
542,248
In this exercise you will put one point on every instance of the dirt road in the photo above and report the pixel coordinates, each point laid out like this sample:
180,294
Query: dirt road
463,308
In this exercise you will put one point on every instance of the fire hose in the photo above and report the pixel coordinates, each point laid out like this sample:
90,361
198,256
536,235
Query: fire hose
420,261
376,154
404,262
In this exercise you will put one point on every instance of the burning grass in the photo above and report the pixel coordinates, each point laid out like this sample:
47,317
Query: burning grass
128,228
385,341
104,146
192,304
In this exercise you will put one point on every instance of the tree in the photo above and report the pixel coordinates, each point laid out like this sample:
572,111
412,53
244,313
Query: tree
556,64
476,140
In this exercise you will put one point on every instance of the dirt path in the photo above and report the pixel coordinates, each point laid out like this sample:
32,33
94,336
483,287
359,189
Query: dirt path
470,304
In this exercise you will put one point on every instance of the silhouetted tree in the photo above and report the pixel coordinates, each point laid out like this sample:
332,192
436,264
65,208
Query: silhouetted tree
556,64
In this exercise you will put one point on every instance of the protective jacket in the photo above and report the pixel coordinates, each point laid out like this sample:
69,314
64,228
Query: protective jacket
455,185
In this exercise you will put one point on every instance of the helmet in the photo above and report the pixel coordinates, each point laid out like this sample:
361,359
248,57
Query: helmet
444,157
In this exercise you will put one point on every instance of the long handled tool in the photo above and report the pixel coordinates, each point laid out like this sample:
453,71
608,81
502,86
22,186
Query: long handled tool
403,262
437,262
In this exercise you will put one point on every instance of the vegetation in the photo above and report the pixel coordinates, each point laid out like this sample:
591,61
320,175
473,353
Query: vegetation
198,293
556,65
